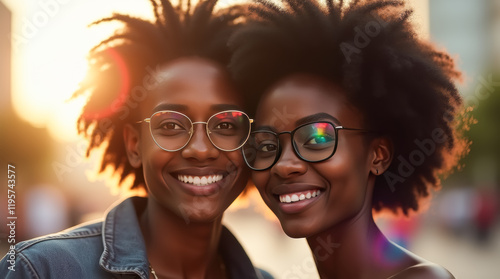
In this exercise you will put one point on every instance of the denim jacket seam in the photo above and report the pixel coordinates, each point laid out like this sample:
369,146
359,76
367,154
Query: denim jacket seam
58,236
120,269
28,264
107,253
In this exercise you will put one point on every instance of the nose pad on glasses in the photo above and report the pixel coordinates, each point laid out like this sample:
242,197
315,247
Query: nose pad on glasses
289,164
199,146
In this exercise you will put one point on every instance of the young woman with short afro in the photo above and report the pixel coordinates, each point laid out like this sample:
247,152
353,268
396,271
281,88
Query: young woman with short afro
161,106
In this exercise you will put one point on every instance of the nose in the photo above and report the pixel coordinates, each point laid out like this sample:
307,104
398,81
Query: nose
200,147
289,165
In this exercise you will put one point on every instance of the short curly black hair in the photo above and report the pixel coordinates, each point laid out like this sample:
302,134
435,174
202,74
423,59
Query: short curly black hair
121,68
402,84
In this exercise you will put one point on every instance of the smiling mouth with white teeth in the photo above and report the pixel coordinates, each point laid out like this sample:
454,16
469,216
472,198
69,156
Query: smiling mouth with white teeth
200,180
300,196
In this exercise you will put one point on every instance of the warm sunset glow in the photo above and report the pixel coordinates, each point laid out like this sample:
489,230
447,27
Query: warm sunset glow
50,43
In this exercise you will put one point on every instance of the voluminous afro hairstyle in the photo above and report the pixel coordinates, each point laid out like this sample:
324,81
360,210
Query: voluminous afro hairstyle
403,85
122,67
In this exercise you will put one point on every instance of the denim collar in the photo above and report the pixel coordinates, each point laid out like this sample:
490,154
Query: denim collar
125,250
124,247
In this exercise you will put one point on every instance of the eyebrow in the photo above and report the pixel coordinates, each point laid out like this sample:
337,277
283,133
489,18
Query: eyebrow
175,107
310,118
182,108
317,117
222,107
265,128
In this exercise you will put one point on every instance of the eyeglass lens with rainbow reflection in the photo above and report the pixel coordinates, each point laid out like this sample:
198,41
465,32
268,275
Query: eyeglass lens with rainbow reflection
312,142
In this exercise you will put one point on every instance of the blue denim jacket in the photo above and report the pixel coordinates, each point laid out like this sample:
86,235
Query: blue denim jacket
113,248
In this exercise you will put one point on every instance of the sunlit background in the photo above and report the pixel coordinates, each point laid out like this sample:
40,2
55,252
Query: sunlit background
44,60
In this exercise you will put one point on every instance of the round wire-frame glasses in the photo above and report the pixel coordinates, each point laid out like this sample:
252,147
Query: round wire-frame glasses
180,129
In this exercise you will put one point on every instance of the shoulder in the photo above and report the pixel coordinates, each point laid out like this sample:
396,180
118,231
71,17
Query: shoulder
262,274
38,256
236,259
426,270
83,234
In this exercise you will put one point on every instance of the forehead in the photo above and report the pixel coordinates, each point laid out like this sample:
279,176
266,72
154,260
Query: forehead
191,84
299,96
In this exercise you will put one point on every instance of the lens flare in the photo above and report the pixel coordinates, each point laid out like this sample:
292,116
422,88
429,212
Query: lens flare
122,92
386,253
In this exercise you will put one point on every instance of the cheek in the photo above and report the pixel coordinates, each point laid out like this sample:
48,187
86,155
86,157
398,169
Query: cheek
260,179
347,176
234,158
236,164
341,167
154,160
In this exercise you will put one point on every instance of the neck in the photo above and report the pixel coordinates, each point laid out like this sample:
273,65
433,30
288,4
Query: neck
177,249
357,249
341,250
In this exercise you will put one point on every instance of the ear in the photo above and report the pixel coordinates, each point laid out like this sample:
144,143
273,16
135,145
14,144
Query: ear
132,142
383,152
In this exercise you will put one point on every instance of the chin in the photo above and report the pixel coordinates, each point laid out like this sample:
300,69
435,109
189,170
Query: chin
298,233
202,216
297,229
201,210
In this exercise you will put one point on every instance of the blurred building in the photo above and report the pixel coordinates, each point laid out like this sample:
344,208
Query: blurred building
5,57
495,33
5,106
462,28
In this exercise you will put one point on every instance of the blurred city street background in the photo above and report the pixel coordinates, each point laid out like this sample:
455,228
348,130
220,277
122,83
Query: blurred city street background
42,57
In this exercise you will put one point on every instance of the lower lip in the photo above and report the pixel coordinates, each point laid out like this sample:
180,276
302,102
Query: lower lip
299,206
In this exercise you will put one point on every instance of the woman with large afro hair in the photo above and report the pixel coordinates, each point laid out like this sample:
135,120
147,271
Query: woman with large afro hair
354,114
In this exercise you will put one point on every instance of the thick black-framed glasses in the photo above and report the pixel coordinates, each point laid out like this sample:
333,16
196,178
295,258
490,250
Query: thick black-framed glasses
312,142
171,130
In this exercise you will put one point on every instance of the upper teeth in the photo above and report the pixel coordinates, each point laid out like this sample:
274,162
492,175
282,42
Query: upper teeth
200,180
289,198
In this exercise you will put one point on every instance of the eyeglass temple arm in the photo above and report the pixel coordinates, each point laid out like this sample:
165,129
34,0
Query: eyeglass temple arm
147,120
353,129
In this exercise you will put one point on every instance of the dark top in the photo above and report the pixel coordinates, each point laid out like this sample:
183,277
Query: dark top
112,248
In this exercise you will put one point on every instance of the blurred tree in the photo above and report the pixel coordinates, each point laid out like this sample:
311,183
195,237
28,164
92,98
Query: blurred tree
29,148
482,164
